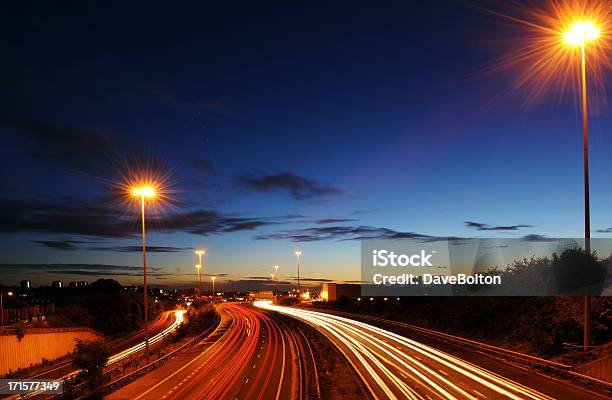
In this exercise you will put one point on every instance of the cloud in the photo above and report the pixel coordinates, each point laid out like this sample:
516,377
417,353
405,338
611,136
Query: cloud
137,249
80,269
312,279
66,146
332,221
79,217
344,233
65,245
298,187
168,97
537,238
607,230
485,227
84,150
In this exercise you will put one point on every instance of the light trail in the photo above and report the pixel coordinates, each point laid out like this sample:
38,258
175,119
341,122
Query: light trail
179,317
394,366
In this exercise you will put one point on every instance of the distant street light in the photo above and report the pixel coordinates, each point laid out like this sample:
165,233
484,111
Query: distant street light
298,253
199,267
276,275
212,278
580,33
143,193
200,253
2,305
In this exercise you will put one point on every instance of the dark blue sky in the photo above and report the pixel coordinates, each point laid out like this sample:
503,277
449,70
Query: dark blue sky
285,126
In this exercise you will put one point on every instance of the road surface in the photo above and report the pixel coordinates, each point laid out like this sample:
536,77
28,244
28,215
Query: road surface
396,367
249,356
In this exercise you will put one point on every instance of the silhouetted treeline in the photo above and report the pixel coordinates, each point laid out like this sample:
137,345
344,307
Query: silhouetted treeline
104,305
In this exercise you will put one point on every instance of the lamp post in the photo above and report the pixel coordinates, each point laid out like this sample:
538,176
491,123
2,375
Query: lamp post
144,193
298,253
2,305
200,253
212,278
199,267
580,34
276,275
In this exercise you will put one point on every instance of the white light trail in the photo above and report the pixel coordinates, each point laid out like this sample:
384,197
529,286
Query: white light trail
179,318
386,358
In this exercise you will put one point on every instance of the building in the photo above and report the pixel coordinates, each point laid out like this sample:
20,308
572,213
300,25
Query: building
262,295
333,291
57,284
25,284
75,284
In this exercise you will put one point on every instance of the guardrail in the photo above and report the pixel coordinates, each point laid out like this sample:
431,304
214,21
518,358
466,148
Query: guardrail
599,369
132,376
555,368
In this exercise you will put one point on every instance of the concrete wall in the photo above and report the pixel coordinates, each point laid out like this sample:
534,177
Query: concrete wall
38,344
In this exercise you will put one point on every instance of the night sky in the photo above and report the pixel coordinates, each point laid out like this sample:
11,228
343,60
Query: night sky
283,126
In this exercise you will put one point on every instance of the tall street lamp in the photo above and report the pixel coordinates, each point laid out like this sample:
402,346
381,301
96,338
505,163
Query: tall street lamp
200,253
580,34
212,278
143,193
276,275
199,267
298,253
2,305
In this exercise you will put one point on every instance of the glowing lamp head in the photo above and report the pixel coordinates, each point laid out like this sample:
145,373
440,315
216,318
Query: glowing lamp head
298,253
9,294
581,31
198,266
200,252
144,191
213,278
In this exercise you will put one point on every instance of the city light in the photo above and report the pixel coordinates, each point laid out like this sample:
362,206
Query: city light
145,191
541,49
580,32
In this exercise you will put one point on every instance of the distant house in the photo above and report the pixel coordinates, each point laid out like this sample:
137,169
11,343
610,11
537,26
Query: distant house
16,310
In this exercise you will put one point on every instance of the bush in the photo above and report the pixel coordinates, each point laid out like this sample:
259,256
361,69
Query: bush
91,357
198,320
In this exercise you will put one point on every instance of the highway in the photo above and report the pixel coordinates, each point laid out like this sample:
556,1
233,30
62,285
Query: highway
396,367
167,322
249,356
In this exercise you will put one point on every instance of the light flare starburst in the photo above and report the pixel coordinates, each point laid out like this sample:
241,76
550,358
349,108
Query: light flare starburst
544,49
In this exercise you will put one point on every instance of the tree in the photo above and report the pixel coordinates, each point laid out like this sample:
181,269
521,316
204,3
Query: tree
91,357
